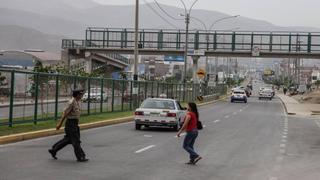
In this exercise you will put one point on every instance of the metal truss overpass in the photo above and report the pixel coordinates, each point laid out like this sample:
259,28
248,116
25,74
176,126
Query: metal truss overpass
212,43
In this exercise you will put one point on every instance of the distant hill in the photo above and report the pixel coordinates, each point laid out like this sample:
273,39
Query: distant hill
21,38
89,13
69,18
43,23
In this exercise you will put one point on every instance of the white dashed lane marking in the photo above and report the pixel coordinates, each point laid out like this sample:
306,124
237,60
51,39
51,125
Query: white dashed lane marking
144,149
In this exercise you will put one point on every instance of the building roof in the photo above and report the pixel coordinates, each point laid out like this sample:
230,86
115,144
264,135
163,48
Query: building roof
26,58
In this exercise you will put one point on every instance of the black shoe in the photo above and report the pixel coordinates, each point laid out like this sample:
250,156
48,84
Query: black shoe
191,162
197,159
53,154
83,160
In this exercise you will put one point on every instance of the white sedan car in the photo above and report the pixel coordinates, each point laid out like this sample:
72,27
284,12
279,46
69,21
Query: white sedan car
159,112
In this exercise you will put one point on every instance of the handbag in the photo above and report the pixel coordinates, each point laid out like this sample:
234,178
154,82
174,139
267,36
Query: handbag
199,125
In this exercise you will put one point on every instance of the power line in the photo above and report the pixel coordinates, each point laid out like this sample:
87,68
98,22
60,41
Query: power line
172,17
164,19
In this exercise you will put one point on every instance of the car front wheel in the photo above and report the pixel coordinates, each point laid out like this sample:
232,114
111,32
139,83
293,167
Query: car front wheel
138,126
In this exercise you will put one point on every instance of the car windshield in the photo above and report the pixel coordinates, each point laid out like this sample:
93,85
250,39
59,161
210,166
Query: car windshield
238,92
158,104
267,91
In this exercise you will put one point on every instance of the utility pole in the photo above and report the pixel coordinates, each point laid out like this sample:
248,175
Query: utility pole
136,56
187,21
136,52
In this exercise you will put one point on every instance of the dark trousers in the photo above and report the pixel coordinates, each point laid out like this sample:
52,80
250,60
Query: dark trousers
189,142
72,136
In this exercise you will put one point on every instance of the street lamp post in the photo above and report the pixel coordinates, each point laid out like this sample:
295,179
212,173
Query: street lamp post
187,21
207,30
135,63
135,67
210,28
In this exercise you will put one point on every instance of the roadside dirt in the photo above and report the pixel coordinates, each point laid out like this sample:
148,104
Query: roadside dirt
310,98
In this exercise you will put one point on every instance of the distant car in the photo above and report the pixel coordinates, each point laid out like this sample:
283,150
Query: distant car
159,112
95,95
239,95
266,94
261,89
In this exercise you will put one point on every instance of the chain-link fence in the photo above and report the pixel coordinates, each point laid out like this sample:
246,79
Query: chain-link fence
33,97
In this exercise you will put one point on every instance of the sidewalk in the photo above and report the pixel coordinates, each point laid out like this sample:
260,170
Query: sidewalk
293,107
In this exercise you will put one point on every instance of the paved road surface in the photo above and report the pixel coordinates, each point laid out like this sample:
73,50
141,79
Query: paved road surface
253,141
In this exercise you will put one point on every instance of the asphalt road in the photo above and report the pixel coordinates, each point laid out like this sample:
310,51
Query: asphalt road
254,141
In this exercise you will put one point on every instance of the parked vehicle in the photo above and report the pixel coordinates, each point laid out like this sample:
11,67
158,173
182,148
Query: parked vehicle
95,95
239,95
159,112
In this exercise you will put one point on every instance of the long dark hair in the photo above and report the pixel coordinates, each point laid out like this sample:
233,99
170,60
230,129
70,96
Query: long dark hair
194,108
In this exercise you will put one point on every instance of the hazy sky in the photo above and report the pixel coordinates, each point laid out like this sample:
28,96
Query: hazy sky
278,12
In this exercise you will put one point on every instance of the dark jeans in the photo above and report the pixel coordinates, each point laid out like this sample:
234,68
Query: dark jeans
189,142
72,136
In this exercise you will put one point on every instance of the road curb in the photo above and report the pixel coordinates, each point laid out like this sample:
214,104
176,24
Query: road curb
50,132
285,107
214,101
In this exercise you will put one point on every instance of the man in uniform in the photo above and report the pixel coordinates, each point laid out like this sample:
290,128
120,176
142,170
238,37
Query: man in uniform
72,133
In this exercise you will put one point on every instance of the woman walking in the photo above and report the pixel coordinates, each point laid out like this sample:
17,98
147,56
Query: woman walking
190,126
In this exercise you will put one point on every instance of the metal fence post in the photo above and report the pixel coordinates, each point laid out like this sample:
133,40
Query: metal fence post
138,99
145,90
184,92
131,96
193,93
152,89
157,89
112,101
57,98
89,98
172,94
122,94
11,98
102,95
36,98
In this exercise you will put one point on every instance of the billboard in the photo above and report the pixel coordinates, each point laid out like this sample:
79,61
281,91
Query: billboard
174,58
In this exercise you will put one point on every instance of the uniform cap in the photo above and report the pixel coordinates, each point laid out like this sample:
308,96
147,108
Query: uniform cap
76,92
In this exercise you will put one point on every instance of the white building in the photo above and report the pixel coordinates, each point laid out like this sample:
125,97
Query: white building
315,76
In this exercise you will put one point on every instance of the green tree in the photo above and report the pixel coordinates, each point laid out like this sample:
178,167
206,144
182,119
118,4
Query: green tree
3,91
42,81
2,80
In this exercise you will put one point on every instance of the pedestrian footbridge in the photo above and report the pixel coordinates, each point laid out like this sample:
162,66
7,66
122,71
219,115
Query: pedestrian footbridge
210,43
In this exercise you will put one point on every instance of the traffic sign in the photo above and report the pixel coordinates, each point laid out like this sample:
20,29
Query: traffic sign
200,98
201,73
255,51
196,52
